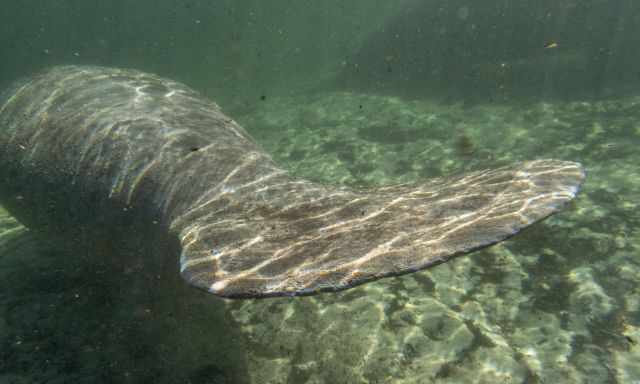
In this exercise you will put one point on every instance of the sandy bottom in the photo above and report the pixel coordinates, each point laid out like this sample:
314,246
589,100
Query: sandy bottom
558,303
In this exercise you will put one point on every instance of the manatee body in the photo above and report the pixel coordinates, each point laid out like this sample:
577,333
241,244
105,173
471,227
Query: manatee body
84,150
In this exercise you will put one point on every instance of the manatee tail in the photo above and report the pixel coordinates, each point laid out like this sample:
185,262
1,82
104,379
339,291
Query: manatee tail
300,238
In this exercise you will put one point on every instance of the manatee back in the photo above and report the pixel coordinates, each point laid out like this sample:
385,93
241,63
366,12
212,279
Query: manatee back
84,142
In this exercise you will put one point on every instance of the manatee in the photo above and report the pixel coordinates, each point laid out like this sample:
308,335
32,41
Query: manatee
89,154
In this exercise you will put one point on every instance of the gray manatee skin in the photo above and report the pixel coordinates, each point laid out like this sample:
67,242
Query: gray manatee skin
92,154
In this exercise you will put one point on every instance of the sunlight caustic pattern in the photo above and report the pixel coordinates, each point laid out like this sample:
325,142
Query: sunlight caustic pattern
79,143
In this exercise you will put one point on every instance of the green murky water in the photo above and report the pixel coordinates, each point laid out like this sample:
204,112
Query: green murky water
360,93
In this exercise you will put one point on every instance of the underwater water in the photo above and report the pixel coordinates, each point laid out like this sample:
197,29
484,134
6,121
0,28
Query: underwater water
360,94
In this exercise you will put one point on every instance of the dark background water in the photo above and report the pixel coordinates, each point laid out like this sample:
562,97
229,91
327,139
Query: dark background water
241,50
222,47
